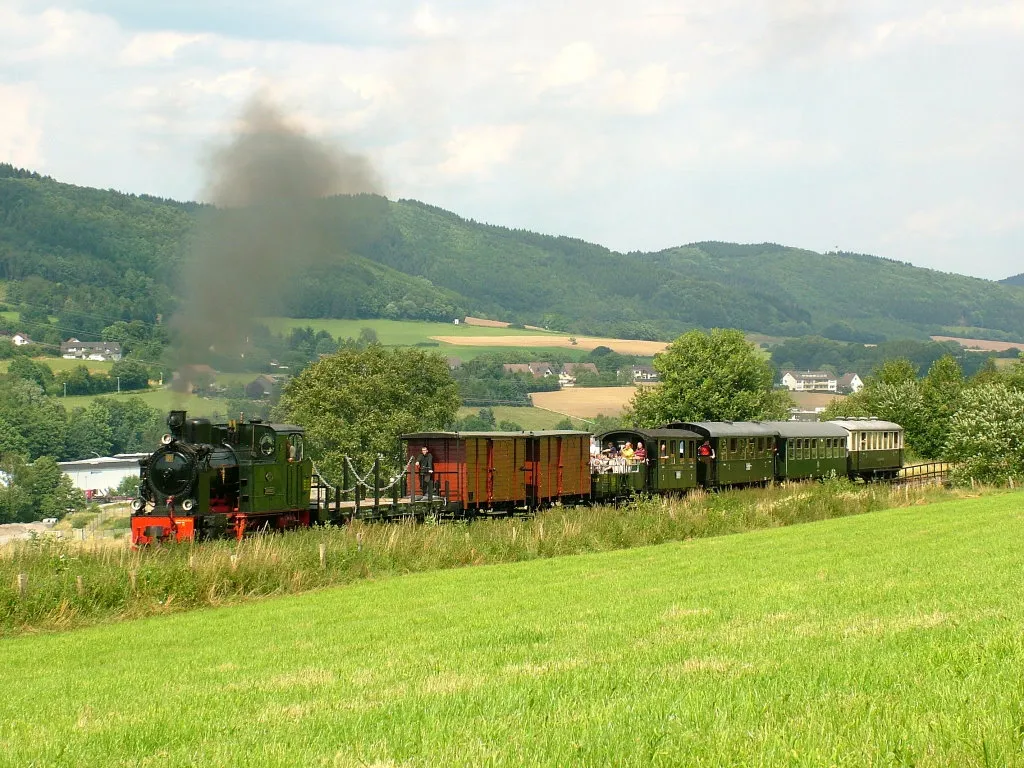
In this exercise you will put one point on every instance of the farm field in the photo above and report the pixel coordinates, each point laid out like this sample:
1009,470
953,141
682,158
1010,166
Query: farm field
622,346
889,638
809,400
528,418
394,332
984,345
585,402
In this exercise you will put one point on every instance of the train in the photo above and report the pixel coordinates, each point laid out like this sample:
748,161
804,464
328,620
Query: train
209,480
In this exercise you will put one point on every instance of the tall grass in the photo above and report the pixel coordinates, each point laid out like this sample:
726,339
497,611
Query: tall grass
70,584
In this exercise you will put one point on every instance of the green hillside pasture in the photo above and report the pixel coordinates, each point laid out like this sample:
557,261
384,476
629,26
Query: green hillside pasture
161,399
527,418
886,639
60,364
391,332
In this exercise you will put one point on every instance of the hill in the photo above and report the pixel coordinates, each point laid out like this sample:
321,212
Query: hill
1015,280
88,256
888,638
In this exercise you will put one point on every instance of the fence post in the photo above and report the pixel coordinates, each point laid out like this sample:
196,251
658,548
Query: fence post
323,555
131,579
22,584
79,586
376,485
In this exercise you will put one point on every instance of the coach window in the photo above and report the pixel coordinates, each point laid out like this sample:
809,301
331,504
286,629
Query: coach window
682,450
672,451
294,447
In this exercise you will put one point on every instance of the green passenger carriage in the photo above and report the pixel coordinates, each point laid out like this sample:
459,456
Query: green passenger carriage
874,448
808,449
744,452
670,466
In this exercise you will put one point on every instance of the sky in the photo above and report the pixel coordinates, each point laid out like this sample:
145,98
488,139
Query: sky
890,128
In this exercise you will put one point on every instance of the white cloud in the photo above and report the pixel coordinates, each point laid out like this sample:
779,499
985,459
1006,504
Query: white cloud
21,134
477,151
576,63
641,126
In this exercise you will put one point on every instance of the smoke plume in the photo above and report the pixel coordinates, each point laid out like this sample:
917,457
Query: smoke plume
266,227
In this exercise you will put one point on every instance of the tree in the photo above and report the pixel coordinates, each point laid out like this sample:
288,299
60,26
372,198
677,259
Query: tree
357,402
89,432
39,419
30,370
985,434
710,377
132,374
940,397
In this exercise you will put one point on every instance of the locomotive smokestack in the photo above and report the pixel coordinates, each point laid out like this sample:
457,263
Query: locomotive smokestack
267,228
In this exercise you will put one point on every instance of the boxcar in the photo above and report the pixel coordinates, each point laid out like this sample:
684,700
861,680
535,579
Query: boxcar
874,448
807,449
670,465
503,471
744,452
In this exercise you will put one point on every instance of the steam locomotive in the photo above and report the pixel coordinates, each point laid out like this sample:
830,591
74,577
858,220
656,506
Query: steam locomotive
214,480
217,480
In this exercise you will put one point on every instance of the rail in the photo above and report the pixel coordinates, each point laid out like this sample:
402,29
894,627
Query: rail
928,473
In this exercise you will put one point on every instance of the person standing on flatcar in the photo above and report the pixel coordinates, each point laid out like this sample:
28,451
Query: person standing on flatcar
627,452
425,467
640,454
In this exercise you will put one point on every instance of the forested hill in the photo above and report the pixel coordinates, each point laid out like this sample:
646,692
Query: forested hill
86,255
1015,280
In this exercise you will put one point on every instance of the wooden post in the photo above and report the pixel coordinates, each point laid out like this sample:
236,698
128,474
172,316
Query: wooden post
79,586
344,475
376,485
234,562
131,579
323,555
22,584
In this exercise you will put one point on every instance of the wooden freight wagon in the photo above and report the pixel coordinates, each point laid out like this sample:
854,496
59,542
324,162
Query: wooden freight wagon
502,471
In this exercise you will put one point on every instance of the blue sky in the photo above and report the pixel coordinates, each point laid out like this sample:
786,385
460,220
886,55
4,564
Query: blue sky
880,127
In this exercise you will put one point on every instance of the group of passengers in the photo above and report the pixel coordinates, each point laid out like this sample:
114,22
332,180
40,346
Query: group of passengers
614,459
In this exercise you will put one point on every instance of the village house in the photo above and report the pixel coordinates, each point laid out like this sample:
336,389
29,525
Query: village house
810,381
537,370
643,374
21,339
73,349
850,383
567,378
260,387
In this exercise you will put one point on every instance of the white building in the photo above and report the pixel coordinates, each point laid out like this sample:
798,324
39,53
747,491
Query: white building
20,339
102,474
810,381
73,349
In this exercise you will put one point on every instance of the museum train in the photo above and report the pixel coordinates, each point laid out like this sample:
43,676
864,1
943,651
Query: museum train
210,480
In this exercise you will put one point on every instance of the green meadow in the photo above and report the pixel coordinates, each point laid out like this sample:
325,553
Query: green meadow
56,364
527,418
161,399
392,332
893,638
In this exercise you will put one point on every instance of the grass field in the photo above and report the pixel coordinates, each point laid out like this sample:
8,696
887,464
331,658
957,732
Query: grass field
60,364
161,399
527,418
393,332
887,639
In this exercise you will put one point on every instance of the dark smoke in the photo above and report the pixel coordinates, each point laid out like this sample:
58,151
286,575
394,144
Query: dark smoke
264,184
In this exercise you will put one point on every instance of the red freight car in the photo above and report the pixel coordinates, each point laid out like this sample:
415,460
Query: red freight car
503,470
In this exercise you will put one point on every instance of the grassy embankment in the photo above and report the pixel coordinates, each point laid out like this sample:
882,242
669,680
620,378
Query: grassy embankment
885,639
118,583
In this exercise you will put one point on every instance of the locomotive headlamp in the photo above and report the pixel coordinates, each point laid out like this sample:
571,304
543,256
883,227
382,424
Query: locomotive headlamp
167,439
188,505
138,504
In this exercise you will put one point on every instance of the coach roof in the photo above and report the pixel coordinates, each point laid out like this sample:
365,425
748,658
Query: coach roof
725,428
789,429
